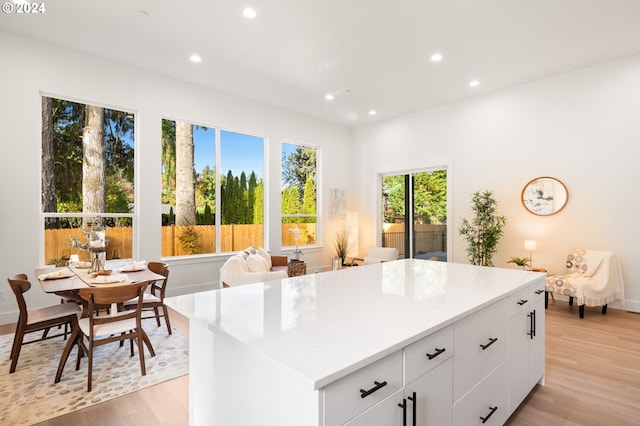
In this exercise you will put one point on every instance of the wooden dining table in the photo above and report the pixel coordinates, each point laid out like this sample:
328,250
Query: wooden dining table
75,278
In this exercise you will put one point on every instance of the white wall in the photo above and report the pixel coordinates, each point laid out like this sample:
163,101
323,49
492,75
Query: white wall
30,69
580,127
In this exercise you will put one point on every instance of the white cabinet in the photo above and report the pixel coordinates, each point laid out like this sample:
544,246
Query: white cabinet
526,347
425,401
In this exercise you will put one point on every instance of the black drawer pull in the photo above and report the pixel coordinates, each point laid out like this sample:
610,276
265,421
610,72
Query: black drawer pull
492,340
493,410
522,301
539,291
438,352
378,386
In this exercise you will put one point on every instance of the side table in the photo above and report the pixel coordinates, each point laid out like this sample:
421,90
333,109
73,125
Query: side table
296,268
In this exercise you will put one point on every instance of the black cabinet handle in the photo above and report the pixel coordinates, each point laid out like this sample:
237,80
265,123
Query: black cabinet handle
378,386
485,418
522,301
532,324
414,413
539,291
437,352
492,340
404,411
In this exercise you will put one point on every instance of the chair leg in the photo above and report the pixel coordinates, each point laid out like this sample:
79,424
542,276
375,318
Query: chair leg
553,299
581,311
166,318
73,340
546,299
15,349
570,300
157,314
604,309
90,369
143,368
147,342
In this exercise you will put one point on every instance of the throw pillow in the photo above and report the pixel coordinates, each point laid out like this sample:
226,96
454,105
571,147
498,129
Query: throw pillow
256,263
266,256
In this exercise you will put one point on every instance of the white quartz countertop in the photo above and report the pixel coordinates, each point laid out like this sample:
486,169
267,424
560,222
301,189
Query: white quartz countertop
323,326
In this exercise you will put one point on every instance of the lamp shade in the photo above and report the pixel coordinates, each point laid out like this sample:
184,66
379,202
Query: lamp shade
530,245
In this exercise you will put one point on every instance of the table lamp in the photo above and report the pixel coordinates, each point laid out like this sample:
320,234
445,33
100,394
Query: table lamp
530,245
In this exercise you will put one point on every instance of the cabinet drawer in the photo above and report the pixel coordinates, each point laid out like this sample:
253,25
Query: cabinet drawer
520,300
427,353
481,343
537,290
355,393
488,400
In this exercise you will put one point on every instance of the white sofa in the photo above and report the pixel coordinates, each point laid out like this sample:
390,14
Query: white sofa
252,266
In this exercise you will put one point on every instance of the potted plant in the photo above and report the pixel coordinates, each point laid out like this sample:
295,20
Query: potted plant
520,261
484,231
341,244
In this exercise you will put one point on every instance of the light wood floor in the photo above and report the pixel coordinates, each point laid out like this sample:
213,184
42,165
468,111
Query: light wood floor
592,378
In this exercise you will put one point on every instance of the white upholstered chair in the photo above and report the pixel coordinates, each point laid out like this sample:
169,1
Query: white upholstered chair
379,254
592,278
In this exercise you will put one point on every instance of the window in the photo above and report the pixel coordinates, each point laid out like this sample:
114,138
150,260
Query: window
415,214
298,196
205,211
87,178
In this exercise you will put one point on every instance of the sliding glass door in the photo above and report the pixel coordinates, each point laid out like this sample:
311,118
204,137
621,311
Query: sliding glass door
414,214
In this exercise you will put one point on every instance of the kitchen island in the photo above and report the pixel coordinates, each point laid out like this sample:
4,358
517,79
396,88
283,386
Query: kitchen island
405,342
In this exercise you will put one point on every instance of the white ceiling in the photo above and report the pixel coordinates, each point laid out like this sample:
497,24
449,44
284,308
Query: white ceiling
372,54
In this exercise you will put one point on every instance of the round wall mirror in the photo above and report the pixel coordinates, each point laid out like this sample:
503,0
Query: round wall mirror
544,196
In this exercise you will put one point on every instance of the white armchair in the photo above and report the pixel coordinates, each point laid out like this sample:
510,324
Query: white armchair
379,254
592,277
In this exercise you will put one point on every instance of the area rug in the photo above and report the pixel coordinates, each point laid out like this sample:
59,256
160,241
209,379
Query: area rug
29,395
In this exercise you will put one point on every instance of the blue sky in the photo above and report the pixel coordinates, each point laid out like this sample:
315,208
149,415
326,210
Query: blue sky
239,152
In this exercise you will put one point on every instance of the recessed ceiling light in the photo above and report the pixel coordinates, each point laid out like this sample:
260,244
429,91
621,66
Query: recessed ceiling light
372,112
328,97
195,58
436,57
143,13
474,83
249,13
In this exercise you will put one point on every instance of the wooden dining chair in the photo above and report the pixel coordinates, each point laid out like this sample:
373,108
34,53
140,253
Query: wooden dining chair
40,319
102,329
153,301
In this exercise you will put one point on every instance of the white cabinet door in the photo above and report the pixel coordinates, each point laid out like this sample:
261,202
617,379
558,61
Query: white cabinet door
536,354
431,396
526,349
519,348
